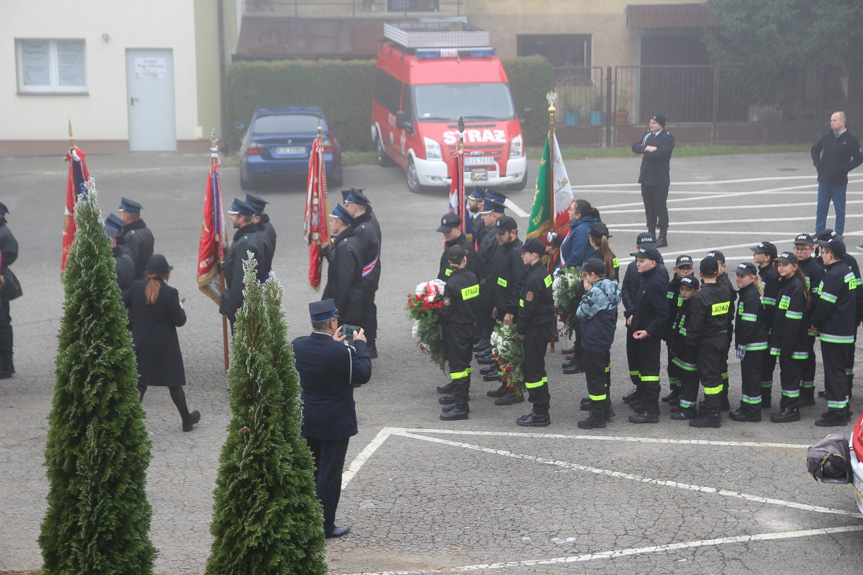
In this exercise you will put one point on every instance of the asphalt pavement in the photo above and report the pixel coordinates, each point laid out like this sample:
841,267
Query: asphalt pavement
422,495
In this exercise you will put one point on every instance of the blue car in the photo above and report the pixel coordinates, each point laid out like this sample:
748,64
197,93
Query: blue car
279,141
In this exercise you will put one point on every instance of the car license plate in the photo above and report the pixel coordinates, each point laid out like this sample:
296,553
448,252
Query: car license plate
290,150
479,175
478,160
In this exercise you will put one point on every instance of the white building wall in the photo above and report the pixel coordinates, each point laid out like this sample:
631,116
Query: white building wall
102,113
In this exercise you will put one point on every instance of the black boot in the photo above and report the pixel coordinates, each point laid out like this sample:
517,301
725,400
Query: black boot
786,415
534,420
662,241
450,407
673,397
631,395
448,388
595,420
649,415
509,398
684,414
833,418
499,392
742,414
447,399
488,370
454,412
707,419
585,404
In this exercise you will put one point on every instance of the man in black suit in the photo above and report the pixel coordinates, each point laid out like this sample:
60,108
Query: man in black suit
329,369
655,148
137,236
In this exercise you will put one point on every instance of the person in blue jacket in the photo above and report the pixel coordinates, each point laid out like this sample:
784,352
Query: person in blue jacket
576,247
329,370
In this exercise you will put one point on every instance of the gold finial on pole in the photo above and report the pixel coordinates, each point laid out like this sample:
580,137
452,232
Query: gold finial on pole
460,147
552,98
71,138
214,144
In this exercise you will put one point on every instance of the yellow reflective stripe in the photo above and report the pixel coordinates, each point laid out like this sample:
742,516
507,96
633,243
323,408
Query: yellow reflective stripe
615,263
448,272
602,397
501,282
521,303
720,308
459,374
470,292
713,390
547,281
649,378
534,384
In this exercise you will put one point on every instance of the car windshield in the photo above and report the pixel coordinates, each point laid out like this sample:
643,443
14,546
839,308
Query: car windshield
288,123
446,102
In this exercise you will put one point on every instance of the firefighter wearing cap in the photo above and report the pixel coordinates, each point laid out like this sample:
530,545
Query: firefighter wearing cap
789,341
460,299
647,323
750,336
833,318
345,269
488,256
629,294
263,220
453,236
724,281
136,235
655,148
266,240
597,315
507,283
763,255
813,271
707,332
368,234
124,266
682,268
11,289
682,356
246,239
473,222
535,321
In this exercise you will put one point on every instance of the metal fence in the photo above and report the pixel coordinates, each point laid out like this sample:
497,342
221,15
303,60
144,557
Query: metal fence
611,107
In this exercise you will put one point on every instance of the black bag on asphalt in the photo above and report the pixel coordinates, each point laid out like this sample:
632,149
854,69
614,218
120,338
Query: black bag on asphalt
829,460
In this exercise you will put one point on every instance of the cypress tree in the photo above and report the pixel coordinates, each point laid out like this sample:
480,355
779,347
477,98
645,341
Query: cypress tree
97,453
266,518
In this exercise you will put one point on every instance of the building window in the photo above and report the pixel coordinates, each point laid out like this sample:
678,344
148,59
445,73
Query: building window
570,54
51,67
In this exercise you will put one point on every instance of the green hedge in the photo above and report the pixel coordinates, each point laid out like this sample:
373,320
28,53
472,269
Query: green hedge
344,90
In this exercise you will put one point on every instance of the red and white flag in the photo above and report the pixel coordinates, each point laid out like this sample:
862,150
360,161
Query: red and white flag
213,243
456,189
76,185
315,219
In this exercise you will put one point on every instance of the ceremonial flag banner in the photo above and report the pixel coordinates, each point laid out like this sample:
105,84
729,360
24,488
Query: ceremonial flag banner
76,185
552,195
315,219
213,243
456,189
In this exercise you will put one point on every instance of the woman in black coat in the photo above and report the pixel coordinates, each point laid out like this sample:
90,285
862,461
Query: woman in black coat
155,312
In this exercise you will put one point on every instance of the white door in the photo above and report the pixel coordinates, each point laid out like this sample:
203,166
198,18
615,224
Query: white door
150,89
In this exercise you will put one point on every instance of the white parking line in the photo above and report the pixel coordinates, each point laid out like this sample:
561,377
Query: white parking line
633,551
717,182
364,455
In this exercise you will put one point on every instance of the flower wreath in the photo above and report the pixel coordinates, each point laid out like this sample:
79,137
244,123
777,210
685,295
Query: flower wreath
425,307
564,288
507,349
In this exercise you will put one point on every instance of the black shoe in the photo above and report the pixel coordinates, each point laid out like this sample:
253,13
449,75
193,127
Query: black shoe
509,398
373,351
785,416
674,396
572,368
448,388
533,420
631,395
499,392
337,531
493,376
482,346
585,404
447,399
741,415
707,419
486,360
596,420
662,242
822,393
452,406
684,414
488,370
833,419
454,414
644,417
194,418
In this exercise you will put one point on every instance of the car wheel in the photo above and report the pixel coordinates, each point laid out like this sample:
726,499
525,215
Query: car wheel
519,185
413,178
383,159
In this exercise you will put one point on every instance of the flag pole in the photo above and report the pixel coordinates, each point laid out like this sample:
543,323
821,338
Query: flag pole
214,166
551,97
460,174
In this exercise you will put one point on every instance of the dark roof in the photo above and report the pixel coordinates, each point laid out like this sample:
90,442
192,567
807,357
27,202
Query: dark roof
668,16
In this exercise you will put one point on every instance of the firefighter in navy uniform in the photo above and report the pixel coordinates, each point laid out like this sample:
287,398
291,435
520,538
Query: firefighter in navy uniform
534,322
267,241
813,270
682,355
507,283
263,221
344,269
763,255
707,333
453,236
750,335
136,235
124,267
368,233
647,324
246,239
488,254
460,299
833,319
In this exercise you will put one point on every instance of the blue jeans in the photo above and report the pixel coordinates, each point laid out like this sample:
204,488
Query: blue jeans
827,192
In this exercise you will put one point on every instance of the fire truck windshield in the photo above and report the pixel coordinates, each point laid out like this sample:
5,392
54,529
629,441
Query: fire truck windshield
476,102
